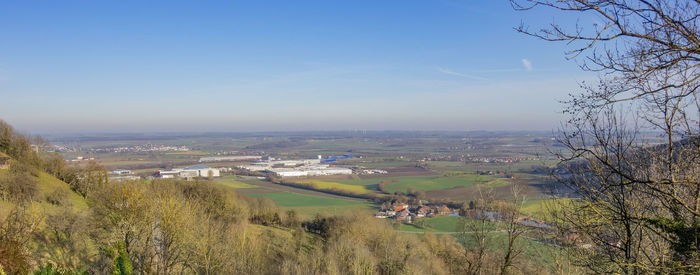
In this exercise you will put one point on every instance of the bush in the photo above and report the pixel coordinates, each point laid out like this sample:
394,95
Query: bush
20,186
12,259
59,196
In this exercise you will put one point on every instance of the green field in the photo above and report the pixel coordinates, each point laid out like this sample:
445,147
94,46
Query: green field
425,183
307,206
231,182
358,189
476,166
541,209
437,224
368,183
497,182
454,165
287,199
386,164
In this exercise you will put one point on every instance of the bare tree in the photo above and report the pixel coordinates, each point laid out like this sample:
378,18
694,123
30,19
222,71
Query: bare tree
477,227
634,38
509,213
632,156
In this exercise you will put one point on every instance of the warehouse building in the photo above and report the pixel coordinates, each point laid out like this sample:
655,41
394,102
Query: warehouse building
190,172
309,171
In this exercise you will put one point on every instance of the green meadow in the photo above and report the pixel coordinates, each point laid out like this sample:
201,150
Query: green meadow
436,224
230,182
425,183
287,199
359,189
542,208
308,206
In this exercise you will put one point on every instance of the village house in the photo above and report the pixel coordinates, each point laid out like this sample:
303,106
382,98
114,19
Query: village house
405,213
421,212
443,210
398,207
404,216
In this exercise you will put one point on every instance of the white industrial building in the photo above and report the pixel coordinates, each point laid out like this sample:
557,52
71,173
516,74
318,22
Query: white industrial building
330,171
120,172
287,172
295,168
309,171
258,166
266,165
190,172
124,178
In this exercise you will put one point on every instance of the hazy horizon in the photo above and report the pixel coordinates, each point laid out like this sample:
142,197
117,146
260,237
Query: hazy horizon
108,67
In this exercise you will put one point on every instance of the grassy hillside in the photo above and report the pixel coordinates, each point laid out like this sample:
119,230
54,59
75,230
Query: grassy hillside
49,187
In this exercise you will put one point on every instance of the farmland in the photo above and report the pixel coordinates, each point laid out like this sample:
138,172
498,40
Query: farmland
308,205
288,199
329,185
431,169
434,183
427,183
445,165
231,182
437,224
542,208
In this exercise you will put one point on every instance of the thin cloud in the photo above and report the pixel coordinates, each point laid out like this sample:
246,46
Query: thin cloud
527,64
451,72
498,70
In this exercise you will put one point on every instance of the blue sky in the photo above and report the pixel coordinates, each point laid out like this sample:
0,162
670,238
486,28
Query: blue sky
129,66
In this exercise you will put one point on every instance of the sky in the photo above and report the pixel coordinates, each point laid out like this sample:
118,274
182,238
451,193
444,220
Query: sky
160,66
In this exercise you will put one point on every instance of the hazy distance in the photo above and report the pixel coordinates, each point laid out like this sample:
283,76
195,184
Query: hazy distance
278,66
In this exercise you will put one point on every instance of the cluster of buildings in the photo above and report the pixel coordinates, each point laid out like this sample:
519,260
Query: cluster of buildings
371,171
64,149
281,168
81,158
308,171
499,160
298,168
403,212
189,173
230,158
143,148
124,149
266,163
470,158
122,174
